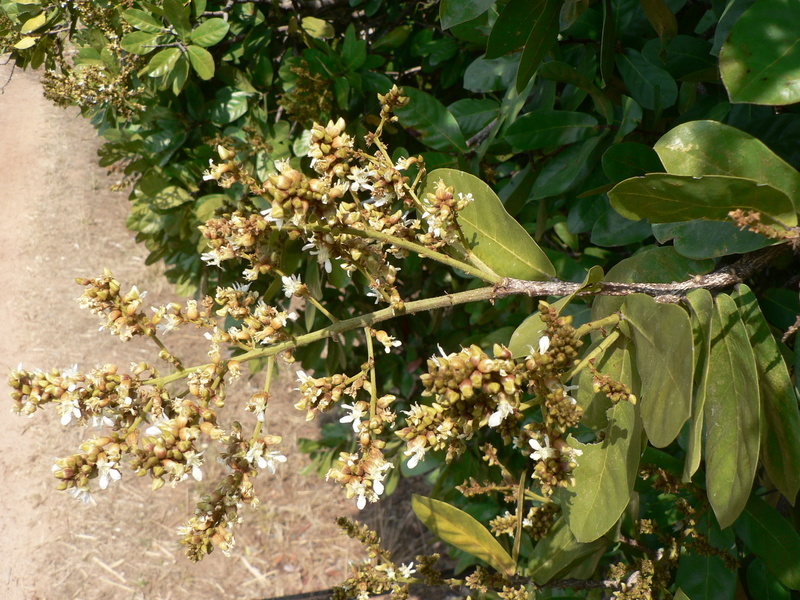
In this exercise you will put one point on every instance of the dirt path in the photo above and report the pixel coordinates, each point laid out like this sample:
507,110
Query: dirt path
60,222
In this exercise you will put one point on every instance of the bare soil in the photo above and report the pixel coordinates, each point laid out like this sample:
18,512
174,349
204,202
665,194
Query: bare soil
61,222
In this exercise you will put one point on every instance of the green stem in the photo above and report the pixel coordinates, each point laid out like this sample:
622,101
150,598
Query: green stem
368,320
410,246
608,321
601,347
373,395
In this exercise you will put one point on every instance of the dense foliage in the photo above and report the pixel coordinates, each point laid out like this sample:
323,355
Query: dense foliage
634,434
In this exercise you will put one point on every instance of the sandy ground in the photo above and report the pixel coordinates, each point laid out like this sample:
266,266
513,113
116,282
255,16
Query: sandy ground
61,222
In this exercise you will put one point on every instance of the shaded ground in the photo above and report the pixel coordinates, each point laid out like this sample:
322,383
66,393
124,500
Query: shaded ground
61,222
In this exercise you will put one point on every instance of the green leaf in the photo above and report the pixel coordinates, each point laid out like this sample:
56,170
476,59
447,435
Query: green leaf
709,239
162,63
429,117
661,18
762,585
513,27
706,576
318,28
202,61
33,23
354,50
629,159
229,105
662,335
615,362
562,72
713,148
210,32
26,42
604,476
666,198
780,446
567,170
773,539
178,16
760,61
649,85
701,304
557,551
453,12
139,42
494,236
731,414
142,20
490,75
170,197
542,37
461,530
546,128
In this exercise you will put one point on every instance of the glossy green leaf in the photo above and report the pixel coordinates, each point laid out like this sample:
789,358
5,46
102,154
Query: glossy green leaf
604,476
773,539
762,585
26,42
554,70
733,11
494,236
629,159
612,229
438,128
567,170
143,21
650,85
513,27
354,50
171,197
210,32
661,18
202,61
709,239
732,413
453,12
662,335
139,42
461,530
760,61
701,305
703,576
546,128
666,198
543,35
318,28
228,105
780,446
178,16
713,148
557,551
33,23
489,75
163,62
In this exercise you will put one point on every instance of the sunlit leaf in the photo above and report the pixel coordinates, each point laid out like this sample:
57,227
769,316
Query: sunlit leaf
713,148
760,61
604,476
494,236
430,118
202,61
139,42
662,335
210,32
732,413
458,528
143,21
780,446
773,539
163,62
665,198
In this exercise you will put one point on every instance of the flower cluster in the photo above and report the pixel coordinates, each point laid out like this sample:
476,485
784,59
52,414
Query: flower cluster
123,314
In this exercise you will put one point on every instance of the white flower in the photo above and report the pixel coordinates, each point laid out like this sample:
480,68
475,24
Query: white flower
108,472
83,494
402,164
544,344
354,417
542,452
407,570
291,285
417,454
68,410
264,460
194,461
503,410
